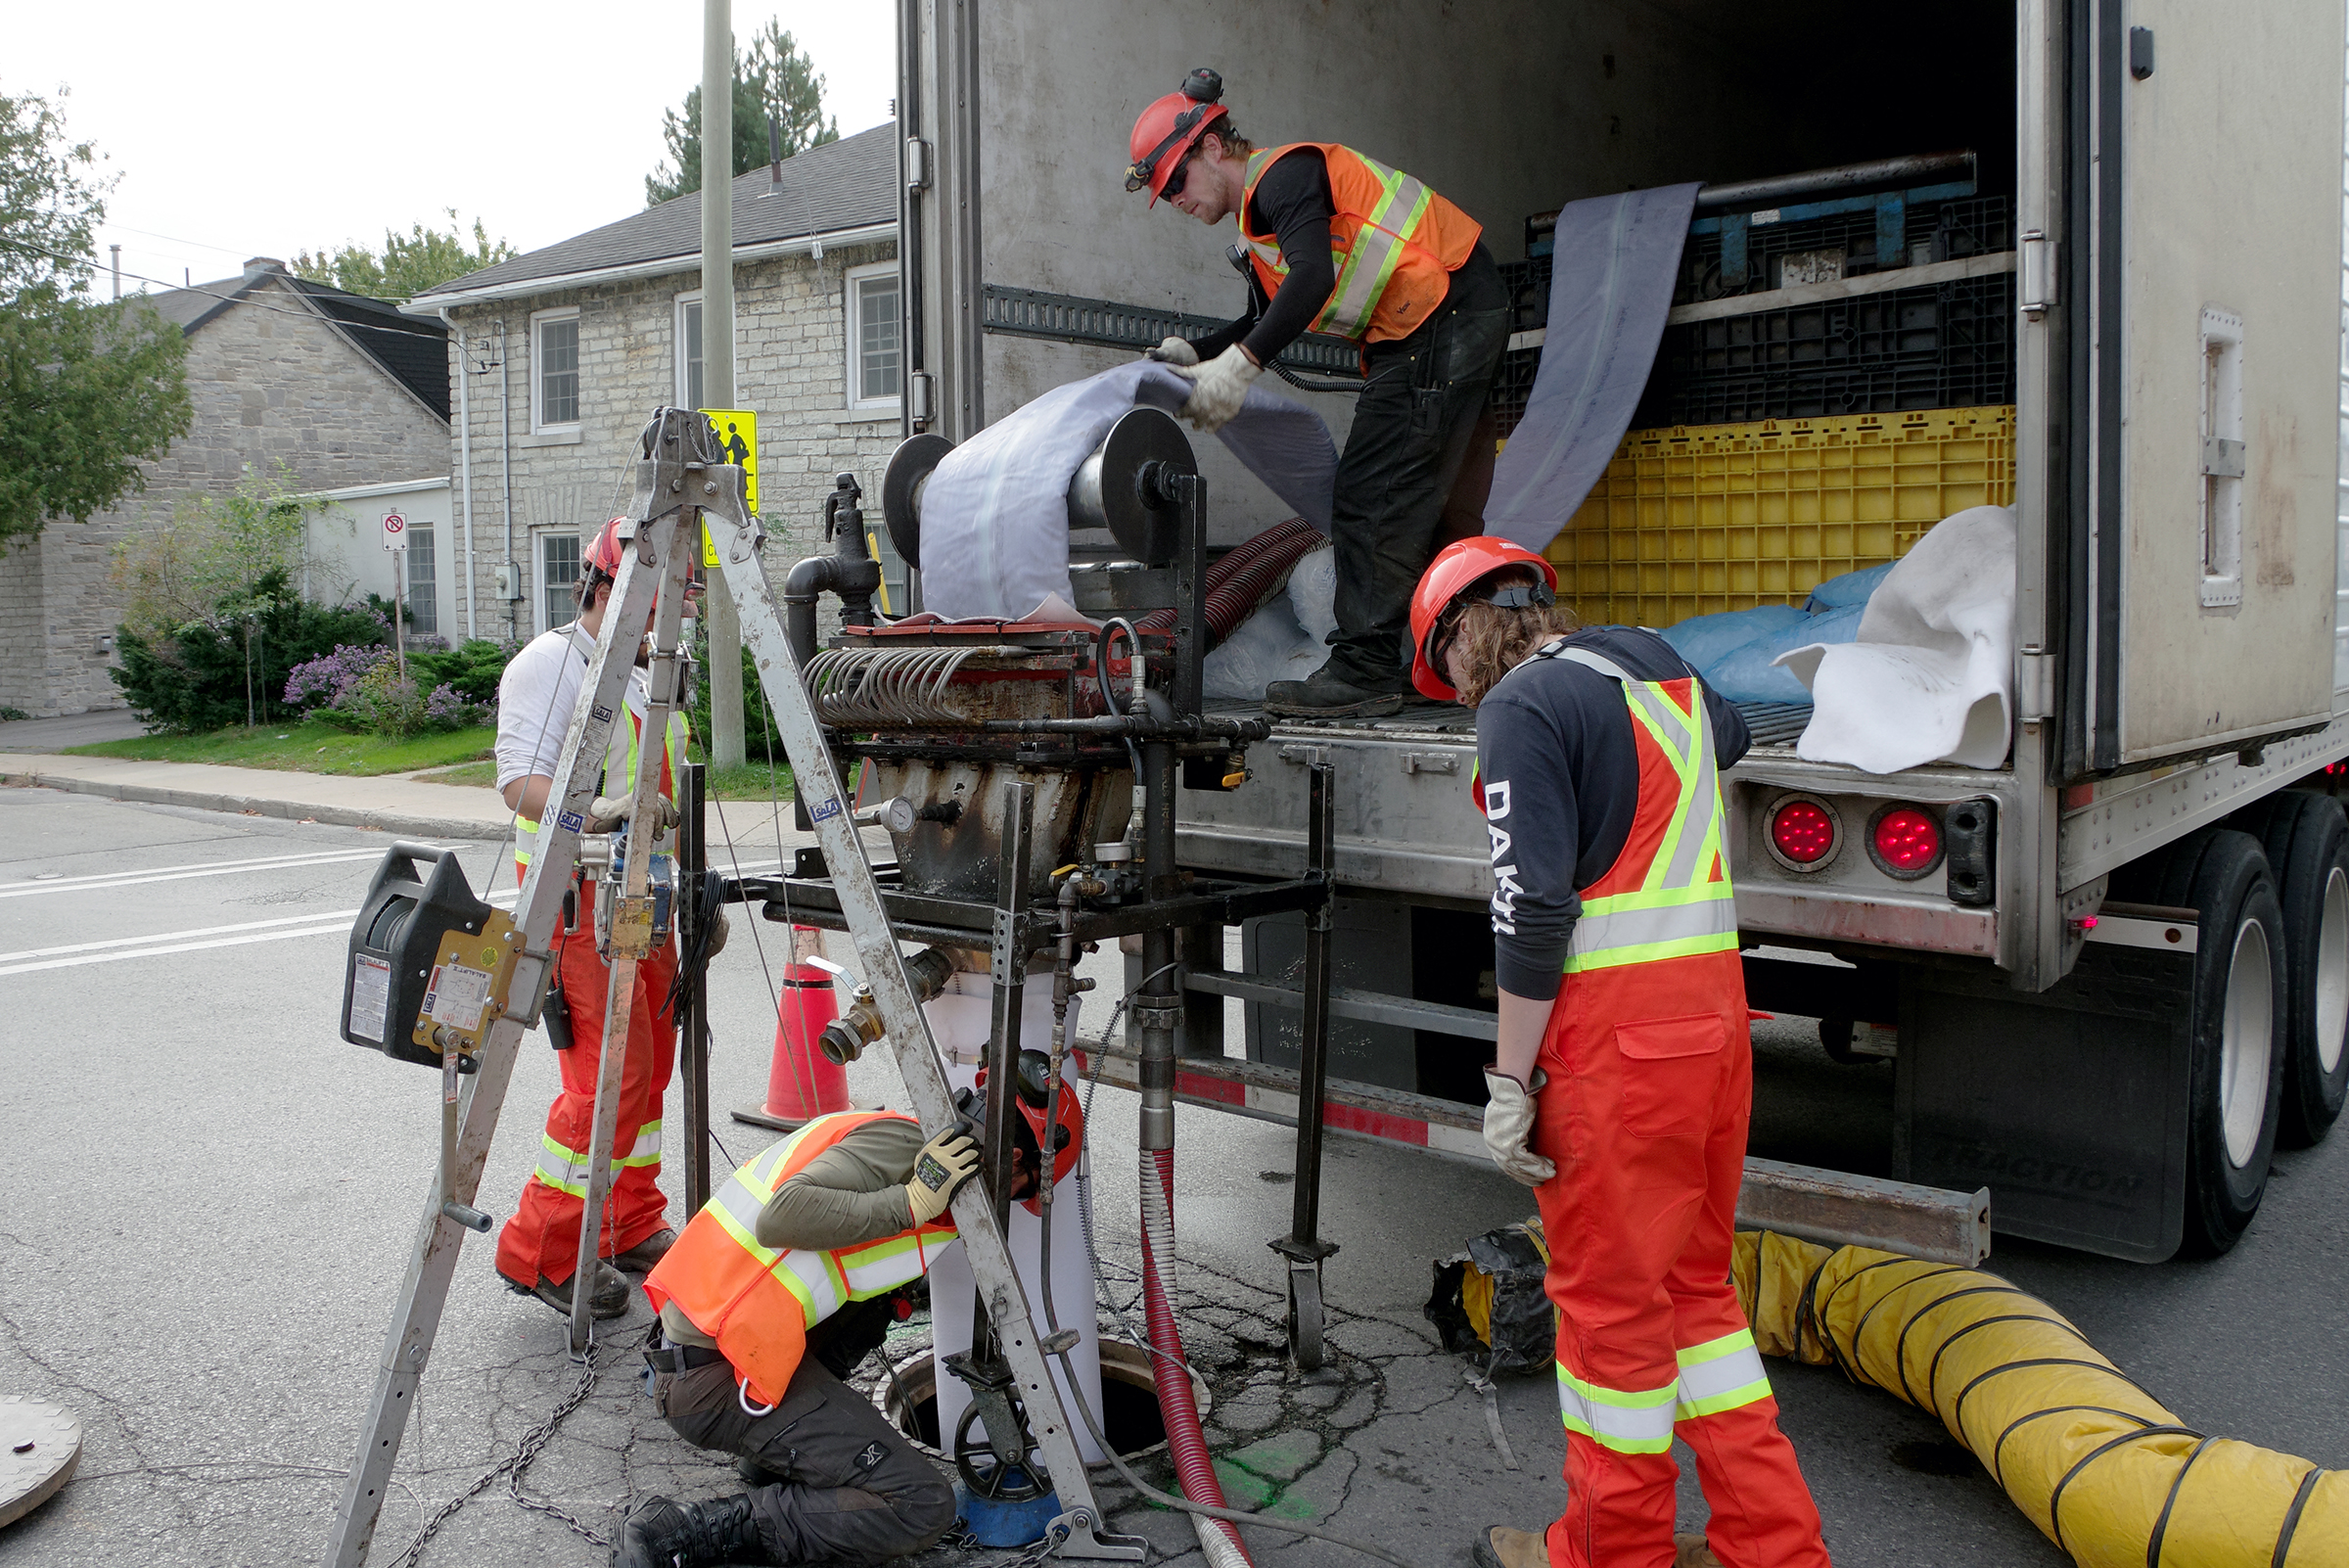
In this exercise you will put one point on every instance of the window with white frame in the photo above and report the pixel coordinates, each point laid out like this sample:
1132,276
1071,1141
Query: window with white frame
876,337
558,575
424,582
689,351
555,369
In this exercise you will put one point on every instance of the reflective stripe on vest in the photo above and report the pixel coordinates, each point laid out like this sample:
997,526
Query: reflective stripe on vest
526,831
760,1302
1721,1375
1685,902
1386,224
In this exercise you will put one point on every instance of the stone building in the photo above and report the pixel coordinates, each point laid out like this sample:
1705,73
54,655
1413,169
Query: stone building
560,356
346,389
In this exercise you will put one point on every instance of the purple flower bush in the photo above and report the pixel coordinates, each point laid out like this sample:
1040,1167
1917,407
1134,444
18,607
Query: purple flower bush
325,681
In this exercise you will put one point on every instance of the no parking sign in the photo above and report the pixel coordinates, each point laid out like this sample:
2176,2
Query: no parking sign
396,532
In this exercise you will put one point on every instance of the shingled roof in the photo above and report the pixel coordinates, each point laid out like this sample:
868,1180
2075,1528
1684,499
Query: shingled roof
412,352
847,184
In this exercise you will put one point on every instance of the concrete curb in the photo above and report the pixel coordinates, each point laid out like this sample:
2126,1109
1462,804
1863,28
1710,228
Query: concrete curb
399,822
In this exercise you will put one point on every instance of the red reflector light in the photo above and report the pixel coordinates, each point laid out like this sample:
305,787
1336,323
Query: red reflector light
1803,832
1908,839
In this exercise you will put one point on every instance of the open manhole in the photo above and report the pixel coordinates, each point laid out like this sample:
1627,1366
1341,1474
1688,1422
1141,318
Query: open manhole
1129,1395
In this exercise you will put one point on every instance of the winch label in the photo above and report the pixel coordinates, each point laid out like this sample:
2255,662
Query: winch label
571,821
825,810
370,996
458,993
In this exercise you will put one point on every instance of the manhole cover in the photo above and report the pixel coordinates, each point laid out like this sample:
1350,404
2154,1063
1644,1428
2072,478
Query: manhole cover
39,1444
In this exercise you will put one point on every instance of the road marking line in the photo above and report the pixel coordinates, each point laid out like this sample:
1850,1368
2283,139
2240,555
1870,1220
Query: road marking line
182,947
170,942
172,936
132,879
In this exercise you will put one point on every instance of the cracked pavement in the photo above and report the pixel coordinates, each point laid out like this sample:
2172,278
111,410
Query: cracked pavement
210,1197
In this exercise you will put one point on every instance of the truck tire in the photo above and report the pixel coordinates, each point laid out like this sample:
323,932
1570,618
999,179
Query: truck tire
2307,841
2236,1079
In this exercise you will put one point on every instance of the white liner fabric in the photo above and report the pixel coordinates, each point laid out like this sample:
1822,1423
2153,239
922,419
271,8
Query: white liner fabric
1931,676
994,515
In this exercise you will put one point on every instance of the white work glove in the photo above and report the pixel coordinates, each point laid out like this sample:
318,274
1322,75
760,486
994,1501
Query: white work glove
1174,351
605,813
1509,1128
946,1163
1218,388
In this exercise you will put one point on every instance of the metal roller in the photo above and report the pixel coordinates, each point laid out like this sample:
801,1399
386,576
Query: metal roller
1121,486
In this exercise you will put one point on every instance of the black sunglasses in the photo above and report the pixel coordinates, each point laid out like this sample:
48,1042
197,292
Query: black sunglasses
1182,171
1514,596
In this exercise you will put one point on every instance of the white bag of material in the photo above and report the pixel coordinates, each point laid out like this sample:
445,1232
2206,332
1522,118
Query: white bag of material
1931,677
1267,647
994,513
960,1020
1313,594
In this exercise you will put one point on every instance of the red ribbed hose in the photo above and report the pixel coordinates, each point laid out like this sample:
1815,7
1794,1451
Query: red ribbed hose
1177,1409
1238,582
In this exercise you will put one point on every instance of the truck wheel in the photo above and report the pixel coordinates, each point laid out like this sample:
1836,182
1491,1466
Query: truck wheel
2307,840
2236,1082
1835,1038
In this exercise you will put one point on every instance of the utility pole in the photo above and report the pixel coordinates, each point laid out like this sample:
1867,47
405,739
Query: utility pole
718,349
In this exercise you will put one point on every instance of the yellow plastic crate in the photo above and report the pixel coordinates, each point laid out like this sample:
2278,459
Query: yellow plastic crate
1699,518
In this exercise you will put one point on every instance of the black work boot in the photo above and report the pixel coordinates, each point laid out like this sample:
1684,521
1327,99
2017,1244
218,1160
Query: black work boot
1328,693
661,1534
607,1296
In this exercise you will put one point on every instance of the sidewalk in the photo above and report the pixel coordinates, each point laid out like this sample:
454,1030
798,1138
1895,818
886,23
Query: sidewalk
395,802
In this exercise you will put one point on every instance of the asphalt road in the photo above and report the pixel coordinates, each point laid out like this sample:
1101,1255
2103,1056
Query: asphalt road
210,1197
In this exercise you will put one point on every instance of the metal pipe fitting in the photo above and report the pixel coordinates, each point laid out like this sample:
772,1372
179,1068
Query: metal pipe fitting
846,1038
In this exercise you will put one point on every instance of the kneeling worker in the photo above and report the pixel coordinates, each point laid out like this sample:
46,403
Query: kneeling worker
1625,1077
757,1334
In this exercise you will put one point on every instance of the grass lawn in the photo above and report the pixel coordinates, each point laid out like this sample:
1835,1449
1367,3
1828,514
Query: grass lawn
749,782
308,747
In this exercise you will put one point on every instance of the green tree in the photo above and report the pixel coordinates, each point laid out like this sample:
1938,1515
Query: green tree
410,263
87,389
213,560
776,79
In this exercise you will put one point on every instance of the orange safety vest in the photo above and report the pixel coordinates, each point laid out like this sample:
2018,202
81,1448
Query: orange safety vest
759,1302
1394,241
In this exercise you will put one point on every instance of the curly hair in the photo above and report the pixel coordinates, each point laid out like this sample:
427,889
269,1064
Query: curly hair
1491,641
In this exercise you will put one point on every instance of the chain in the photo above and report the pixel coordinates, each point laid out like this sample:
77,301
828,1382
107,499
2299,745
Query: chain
960,1539
513,1464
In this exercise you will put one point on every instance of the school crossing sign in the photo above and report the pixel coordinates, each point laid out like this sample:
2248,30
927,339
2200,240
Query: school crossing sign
738,443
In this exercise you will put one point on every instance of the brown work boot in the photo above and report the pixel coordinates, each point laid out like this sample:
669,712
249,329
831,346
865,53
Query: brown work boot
641,1257
1690,1551
607,1296
1501,1547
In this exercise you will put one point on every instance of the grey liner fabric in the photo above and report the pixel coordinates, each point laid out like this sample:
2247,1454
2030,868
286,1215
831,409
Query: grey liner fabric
1610,292
994,515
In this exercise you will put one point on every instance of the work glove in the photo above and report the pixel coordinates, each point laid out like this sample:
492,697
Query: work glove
1218,387
946,1163
1509,1128
605,813
1174,351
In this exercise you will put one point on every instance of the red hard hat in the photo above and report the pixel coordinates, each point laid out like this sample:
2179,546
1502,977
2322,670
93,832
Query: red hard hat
604,554
1030,1101
1171,127
1457,568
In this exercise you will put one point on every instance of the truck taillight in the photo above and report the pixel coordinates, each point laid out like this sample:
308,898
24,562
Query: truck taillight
1904,841
1803,832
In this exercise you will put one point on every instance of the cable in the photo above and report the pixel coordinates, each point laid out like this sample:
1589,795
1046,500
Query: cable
440,335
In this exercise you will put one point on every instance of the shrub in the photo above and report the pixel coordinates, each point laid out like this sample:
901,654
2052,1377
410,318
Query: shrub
321,681
471,669
760,740
233,666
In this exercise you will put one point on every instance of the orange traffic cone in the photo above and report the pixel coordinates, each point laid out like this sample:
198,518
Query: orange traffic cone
800,1085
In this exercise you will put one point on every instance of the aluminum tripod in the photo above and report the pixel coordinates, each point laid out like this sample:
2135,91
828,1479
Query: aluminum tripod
680,484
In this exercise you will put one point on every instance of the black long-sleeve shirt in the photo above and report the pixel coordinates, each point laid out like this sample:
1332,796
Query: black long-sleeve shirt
1292,201
1560,773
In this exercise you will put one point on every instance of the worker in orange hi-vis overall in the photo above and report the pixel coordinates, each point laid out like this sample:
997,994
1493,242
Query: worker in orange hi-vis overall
1625,1071
537,1250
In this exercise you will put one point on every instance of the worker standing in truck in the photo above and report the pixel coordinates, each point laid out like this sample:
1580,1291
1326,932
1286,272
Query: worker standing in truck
1338,243
1625,1071
778,1289
537,1249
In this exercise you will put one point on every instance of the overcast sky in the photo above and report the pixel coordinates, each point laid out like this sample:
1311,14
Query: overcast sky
279,129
